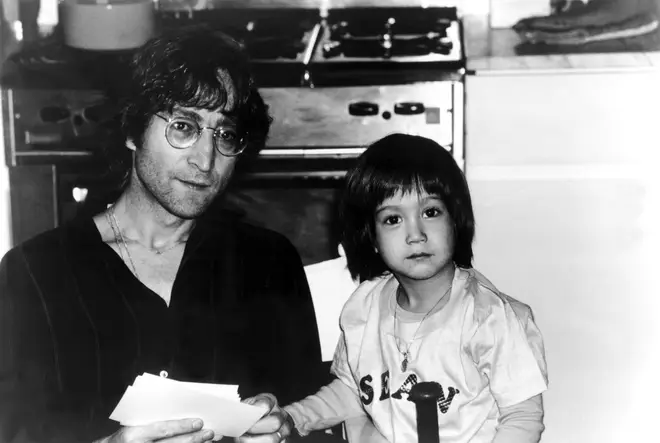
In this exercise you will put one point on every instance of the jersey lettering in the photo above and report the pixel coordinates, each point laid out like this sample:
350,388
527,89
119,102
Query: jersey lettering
384,386
444,400
407,385
366,389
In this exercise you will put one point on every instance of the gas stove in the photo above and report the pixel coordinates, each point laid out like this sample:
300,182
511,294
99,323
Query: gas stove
301,47
371,72
289,46
334,82
349,34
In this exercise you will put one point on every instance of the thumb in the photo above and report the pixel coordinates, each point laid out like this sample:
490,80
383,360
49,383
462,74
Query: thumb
266,401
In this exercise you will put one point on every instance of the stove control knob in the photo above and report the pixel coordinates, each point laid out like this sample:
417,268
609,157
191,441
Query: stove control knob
363,108
409,108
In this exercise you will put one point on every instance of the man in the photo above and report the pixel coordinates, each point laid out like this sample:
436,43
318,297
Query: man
156,283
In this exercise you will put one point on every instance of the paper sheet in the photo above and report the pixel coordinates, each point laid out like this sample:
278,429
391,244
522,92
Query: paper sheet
151,399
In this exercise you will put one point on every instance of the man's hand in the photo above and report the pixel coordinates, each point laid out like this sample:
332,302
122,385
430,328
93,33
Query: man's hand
273,427
172,431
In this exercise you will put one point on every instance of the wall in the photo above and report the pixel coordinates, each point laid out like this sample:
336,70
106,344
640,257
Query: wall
505,13
563,169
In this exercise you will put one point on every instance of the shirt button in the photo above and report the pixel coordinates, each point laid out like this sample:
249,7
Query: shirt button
164,373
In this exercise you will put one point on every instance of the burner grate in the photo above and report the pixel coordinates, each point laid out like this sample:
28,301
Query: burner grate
389,33
388,46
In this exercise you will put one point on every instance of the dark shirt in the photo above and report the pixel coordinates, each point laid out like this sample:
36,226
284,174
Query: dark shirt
77,327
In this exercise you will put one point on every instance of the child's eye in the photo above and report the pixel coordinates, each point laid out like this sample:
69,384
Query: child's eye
391,219
432,212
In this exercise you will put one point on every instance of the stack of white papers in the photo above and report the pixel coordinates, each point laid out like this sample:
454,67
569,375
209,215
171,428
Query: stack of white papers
151,399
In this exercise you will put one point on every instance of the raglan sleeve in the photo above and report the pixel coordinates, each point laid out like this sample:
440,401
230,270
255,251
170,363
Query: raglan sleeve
508,350
532,334
340,367
333,404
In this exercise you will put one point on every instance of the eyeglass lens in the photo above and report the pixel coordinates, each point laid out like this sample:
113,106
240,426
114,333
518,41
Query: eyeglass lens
183,133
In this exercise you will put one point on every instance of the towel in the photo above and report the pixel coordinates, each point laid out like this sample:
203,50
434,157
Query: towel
597,20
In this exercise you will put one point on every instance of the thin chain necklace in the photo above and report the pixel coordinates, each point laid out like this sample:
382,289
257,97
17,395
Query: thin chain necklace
406,353
157,251
161,251
119,239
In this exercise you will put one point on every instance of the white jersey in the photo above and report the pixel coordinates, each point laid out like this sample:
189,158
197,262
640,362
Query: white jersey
482,347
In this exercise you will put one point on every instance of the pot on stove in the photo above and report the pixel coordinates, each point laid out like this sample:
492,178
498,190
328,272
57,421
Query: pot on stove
107,25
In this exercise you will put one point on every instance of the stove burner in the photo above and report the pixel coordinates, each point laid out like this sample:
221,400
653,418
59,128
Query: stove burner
390,25
388,46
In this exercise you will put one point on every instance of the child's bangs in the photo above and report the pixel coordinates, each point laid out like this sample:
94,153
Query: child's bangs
409,182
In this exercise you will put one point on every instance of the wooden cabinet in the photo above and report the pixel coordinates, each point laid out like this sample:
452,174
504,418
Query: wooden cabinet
34,200
46,196
564,173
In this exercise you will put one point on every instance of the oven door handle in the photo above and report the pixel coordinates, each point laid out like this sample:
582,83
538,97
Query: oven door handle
409,108
363,108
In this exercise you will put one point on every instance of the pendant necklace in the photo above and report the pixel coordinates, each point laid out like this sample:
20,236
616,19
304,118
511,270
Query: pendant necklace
406,354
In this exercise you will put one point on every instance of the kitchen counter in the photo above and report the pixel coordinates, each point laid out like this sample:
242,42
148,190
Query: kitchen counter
499,51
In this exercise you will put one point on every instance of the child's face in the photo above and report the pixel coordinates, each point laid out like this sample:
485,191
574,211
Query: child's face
415,235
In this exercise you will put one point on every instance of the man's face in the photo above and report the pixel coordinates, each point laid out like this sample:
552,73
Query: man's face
184,181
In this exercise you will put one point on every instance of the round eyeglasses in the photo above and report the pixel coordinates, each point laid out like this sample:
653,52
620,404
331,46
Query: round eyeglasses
183,132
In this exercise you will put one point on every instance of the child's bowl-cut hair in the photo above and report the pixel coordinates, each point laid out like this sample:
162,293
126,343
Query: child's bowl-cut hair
407,163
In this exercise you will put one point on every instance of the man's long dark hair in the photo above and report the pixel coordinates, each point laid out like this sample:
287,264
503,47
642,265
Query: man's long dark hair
189,67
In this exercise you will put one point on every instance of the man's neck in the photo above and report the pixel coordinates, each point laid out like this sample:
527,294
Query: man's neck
148,223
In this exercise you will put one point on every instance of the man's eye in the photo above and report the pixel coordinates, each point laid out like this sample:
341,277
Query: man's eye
224,134
184,126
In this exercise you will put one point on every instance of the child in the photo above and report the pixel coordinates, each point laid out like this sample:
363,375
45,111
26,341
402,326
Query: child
422,313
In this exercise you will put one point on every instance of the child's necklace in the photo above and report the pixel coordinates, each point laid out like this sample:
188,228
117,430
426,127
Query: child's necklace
406,353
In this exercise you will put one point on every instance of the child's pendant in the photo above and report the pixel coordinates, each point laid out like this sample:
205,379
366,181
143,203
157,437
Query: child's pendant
404,363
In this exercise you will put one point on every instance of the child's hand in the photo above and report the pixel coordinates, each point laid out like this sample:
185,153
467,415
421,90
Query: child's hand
275,425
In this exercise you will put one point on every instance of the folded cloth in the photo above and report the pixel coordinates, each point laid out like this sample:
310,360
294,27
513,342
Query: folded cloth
596,13
632,27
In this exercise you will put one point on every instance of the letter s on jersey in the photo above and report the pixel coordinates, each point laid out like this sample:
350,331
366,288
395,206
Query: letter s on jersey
367,390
